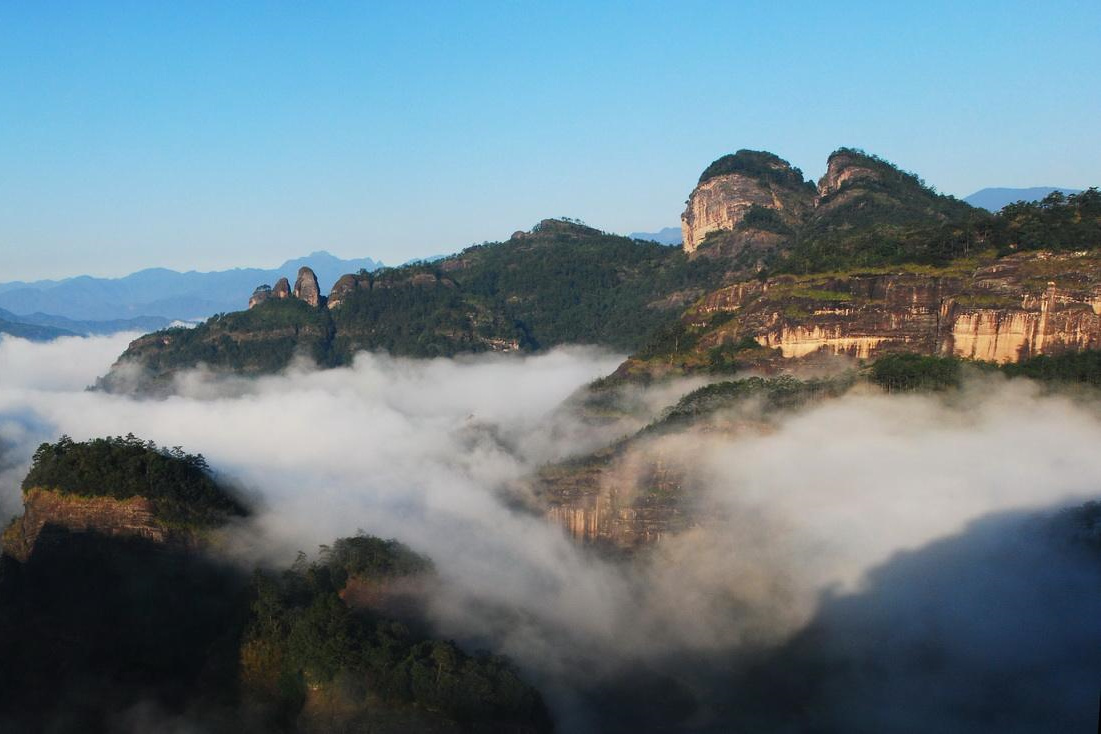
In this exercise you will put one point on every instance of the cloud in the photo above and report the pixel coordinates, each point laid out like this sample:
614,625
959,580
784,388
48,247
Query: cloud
797,514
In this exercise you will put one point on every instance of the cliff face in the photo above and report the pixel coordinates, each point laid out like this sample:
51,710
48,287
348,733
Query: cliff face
44,509
622,501
991,309
756,210
733,185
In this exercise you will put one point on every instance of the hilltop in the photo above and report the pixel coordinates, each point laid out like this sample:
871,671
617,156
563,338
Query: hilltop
769,258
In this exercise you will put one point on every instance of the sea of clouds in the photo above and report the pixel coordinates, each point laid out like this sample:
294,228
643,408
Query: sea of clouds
893,537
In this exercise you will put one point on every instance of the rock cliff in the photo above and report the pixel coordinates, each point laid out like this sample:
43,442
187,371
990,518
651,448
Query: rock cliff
756,210
306,287
49,513
985,308
733,186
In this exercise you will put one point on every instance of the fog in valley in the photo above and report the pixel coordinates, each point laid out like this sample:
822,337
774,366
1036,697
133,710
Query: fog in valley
869,563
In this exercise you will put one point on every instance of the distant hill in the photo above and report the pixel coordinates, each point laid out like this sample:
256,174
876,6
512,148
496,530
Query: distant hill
666,236
30,331
996,198
85,328
162,293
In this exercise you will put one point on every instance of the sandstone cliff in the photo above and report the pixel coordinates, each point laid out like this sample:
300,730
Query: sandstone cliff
47,511
985,308
306,287
733,185
756,210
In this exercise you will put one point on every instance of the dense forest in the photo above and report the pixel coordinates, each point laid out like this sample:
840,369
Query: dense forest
303,634
179,484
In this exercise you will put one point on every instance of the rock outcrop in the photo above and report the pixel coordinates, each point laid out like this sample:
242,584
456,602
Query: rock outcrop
47,511
282,289
998,310
345,287
844,166
733,185
260,295
306,287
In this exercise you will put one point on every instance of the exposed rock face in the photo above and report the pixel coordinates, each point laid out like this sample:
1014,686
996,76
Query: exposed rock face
346,286
733,185
306,288
998,313
261,294
624,503
45,509
282,289
841,168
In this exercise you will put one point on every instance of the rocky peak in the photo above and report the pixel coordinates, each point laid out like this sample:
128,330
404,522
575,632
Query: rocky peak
734,185
346,286
282,289
558,228
306,287
847,164
261,294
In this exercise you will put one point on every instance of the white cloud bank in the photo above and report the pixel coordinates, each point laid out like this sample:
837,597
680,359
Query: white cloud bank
420,450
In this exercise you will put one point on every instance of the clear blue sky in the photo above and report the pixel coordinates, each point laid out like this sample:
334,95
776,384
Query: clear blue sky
211,134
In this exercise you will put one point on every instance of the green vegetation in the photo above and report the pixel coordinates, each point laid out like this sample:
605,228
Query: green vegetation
775,394
765,219
1082,368
566,283
1058,223
890,217
757,164
179,484
907,372
302,634
911,372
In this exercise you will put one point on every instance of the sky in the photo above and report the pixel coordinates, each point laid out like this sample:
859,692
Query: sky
208,135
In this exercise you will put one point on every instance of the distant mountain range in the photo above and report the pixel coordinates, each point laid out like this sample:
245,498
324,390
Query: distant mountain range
667,236
149,299
994,199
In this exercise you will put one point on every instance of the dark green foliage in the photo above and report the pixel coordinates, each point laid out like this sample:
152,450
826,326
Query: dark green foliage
1057,223
891,217
91,626
780,393
764,218
910,372
757,164
179,484
367,556
564,284
907,372
1073,367
320,640
278,329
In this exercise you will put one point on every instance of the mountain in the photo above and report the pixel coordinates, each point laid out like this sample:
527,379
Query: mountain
34,332
69,327
773,267
159,292
665,236
114,598
994,199
560,283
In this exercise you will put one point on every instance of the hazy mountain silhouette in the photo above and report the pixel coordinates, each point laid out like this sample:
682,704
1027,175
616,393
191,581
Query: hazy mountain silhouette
160,292
996,198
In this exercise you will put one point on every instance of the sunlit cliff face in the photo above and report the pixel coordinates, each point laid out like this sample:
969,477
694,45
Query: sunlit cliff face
428,452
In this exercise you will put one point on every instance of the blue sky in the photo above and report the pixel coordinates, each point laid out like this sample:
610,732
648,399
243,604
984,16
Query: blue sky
205,135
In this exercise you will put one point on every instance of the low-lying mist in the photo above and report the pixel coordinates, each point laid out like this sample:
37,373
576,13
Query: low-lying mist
870,563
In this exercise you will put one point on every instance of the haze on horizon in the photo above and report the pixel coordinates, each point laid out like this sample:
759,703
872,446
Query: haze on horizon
210,137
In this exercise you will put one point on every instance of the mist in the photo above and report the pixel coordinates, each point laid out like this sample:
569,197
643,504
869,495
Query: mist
816,530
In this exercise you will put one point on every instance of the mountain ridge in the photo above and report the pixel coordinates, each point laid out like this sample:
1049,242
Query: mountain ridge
160,292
